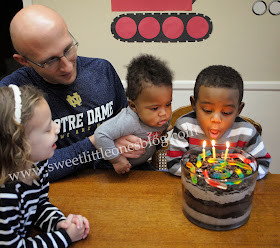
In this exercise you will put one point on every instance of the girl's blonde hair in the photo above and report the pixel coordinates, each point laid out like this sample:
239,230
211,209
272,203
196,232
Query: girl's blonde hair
14,148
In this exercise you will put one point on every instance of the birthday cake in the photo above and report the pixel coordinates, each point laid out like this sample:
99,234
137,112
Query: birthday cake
218,192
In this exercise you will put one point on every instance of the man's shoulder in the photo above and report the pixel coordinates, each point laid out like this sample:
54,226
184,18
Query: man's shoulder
96,62
21,76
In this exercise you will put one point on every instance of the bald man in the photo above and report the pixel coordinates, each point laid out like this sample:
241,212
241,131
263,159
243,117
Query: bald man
82,92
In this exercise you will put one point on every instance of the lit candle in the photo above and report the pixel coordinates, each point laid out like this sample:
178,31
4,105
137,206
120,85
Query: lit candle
213,149
226,153
203,150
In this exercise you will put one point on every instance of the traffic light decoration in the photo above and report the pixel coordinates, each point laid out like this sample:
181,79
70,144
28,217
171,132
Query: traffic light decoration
159,27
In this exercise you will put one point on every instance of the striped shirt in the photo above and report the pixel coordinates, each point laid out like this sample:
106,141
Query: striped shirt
187,134
23,206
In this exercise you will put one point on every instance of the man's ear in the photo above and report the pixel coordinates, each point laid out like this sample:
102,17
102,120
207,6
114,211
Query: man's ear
132,105
241,106
192,102
18,58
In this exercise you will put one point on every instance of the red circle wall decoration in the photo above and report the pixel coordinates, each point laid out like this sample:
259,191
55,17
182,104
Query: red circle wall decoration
161,27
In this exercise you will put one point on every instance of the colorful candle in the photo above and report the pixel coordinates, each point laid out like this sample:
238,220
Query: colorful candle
213,149
226,153
203,150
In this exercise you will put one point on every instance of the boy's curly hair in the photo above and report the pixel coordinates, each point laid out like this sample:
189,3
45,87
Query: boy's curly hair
219,76
14,147
143,70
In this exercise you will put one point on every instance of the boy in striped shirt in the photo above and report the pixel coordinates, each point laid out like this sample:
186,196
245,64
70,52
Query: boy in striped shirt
217,103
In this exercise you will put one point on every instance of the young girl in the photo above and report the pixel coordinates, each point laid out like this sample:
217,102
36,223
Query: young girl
28,135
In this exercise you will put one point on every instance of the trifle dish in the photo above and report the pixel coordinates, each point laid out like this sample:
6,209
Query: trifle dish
218,191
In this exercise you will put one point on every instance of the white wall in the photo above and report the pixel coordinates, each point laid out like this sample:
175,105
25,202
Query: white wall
241,39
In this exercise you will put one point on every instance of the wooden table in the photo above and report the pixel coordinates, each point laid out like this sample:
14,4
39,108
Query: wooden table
144,209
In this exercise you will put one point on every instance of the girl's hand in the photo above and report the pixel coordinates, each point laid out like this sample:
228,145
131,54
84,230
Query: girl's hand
79,221
75,233
86,225
65,223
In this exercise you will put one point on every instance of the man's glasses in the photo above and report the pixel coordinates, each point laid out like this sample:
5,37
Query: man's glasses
54,61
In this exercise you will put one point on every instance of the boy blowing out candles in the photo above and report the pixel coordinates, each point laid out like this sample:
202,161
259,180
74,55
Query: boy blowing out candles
217,103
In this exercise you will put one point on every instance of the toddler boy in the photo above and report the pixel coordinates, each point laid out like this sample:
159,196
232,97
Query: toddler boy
217,103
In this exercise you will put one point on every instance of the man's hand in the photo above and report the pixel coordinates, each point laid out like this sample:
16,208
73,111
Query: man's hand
121,164
131,146
92,139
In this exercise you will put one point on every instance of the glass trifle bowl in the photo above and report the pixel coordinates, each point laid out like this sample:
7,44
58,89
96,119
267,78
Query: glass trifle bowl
218,192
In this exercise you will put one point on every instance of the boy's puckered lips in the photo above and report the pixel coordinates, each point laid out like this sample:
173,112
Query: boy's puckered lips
214,133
